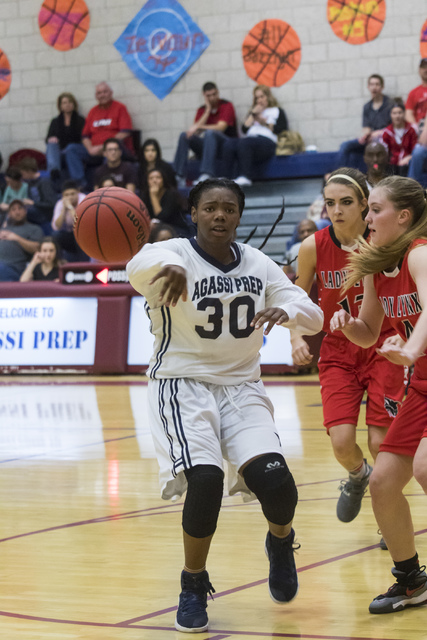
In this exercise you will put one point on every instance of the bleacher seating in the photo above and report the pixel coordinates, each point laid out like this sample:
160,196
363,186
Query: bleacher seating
300,165
263,204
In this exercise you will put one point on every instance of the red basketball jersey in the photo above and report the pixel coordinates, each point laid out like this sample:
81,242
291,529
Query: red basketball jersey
331,271
398,295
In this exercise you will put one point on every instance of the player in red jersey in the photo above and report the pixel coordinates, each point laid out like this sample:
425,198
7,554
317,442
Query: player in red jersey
394,268
346,371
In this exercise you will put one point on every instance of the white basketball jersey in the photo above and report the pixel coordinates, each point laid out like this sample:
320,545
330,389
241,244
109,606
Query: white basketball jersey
209,337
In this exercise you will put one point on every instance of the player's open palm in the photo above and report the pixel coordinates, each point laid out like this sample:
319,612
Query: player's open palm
270,315
174,284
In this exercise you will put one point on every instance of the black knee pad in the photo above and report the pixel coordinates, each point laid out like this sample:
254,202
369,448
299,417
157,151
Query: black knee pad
203,500
269,478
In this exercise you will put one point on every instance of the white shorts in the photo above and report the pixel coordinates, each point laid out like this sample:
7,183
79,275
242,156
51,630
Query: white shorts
203,423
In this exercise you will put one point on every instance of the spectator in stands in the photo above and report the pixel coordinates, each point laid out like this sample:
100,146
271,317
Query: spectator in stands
416,102
376,117
107,119
63,130
19,239
107,181
419,156
63,222
377,163
304,229
161,232
400,138
16,189
150,157
215,122
41,195
124,173
164,203
44,265
265,120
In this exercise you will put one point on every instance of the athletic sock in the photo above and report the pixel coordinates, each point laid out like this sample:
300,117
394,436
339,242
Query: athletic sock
359,472
408,565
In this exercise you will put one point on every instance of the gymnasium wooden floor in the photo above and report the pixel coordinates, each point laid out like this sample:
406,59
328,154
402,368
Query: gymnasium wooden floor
89,551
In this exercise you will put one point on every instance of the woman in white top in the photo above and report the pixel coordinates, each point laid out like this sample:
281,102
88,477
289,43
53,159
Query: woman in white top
265,120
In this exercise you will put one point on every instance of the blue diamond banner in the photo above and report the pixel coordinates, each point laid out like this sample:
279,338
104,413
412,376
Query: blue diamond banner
160,44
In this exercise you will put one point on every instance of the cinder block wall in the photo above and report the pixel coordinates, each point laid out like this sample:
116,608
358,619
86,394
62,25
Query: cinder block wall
323,100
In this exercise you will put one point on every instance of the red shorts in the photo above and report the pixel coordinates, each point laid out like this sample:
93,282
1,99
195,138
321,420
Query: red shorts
346,371
409,427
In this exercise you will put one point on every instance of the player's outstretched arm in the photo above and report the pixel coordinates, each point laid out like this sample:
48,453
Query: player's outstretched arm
364,330
173,284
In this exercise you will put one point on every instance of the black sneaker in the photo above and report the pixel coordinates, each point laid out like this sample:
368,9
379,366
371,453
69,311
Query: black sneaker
350,500
410,590
283,578
191,616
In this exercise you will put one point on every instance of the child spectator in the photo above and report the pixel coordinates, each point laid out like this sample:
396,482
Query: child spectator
41,195
400,137
16,189
44,264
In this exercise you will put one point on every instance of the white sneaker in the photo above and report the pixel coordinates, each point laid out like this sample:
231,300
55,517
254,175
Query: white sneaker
243,181
201,178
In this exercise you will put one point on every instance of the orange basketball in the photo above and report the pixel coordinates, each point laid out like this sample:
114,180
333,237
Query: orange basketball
356,22
271,52
64,24
111,224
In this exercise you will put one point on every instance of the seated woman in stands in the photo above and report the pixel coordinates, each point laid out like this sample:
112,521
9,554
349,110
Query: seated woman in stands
63,130
164,203
150,157
400,138
44,264
264,121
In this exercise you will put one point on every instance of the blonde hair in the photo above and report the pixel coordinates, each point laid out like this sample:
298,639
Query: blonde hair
403,193
272,102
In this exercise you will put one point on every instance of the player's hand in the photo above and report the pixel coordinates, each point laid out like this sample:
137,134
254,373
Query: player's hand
271,315
394,340
300,352
398,355
340,320
174,285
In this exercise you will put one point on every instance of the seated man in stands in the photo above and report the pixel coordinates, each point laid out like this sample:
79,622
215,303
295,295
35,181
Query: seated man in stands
41,195
215,121
123,173
107,119
377,162
63,222
416,111
19,239
376,117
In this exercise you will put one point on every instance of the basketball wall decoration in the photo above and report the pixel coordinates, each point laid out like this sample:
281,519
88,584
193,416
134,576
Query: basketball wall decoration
356,21
64,24
271,52
423,40
5,74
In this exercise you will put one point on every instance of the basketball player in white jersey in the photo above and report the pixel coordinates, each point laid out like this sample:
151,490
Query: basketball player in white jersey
208,299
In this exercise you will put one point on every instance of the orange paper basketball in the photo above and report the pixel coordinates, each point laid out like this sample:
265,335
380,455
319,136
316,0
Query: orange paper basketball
111,224
64,24
423,40
271,52
5,74
356,22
